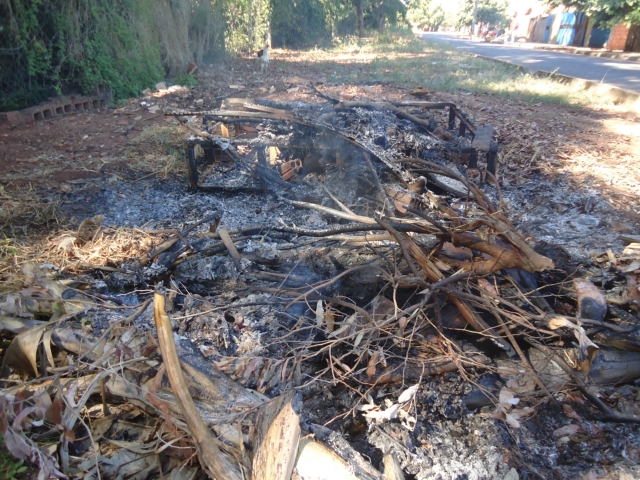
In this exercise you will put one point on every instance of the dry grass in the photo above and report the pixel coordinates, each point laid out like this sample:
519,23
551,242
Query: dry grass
34,231
159,149
109,247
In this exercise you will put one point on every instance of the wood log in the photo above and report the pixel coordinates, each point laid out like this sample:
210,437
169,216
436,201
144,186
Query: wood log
215,463
276,439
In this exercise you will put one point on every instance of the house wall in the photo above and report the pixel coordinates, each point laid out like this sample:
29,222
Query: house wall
537,31
555,28
618,37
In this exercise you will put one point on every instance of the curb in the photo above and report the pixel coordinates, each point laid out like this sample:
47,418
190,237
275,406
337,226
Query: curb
619,96
629,57
519,68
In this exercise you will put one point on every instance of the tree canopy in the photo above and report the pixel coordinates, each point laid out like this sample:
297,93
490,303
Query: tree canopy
607,12
60,46
489,11
425,14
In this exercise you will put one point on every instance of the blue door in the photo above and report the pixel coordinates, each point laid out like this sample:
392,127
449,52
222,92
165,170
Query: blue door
547,30
582,22
567,29
599,37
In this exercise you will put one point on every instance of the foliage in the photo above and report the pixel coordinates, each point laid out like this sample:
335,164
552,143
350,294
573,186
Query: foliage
63,46
297,23
392,12
247,24
57,46
425,14
10,468
336,12
67,46
186,80
488,11
606,12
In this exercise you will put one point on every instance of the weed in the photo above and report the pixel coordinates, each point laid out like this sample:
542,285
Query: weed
6,250
10,468
186,80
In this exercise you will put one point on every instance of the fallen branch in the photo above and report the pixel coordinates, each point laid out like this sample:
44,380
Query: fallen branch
212,459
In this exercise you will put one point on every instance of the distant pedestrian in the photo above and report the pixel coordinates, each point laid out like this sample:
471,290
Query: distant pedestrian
513,28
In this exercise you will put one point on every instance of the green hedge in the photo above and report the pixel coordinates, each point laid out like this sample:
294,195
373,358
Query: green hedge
55,47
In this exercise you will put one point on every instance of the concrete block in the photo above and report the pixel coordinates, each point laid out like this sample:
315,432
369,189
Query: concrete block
62,105
16,118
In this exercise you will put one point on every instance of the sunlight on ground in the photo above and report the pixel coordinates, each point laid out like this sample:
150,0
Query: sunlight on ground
617,168
406,60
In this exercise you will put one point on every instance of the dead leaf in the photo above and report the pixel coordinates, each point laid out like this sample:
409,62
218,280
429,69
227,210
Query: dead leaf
384,415
560,322
566,431
54,412
22,354
408,394
571,413
207,351
511,420
507,397
632,267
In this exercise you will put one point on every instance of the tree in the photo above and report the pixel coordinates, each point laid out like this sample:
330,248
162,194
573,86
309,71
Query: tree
606,12
335,12
359,4
489,11
424,14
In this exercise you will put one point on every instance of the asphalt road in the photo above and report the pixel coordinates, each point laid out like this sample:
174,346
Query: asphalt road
619,73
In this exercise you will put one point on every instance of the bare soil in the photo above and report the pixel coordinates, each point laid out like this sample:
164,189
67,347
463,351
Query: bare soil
567,173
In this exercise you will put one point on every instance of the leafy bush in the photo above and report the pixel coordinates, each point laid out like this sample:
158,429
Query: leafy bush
64,46
186,80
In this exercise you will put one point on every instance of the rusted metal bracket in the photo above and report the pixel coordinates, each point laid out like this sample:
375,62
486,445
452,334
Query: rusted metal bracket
481,135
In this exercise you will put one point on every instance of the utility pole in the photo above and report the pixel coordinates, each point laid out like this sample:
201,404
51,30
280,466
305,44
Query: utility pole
473,25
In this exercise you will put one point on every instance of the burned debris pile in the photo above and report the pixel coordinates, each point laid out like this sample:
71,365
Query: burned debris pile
343,249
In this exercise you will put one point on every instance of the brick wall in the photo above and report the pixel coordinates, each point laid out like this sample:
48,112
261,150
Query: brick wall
618,37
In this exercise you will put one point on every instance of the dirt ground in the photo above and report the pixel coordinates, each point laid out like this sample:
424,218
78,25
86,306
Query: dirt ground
569,177
568,173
